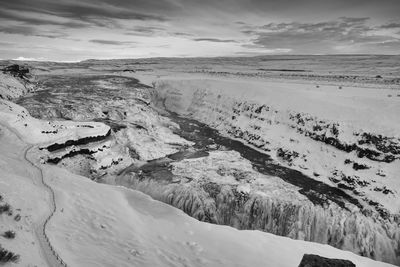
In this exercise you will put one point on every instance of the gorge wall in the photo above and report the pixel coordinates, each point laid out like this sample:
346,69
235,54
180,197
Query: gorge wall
360,159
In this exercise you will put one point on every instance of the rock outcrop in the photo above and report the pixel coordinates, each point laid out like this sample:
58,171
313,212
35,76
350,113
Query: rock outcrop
310,260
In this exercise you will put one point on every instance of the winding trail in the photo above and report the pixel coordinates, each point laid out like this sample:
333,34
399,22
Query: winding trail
48,252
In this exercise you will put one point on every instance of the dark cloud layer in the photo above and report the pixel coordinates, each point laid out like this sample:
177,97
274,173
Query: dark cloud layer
215,40
321,37
98,13
144,30
30,31
166,27
391,26
29,20
110,42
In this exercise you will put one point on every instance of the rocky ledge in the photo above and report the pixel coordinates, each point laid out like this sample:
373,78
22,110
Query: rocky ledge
310,260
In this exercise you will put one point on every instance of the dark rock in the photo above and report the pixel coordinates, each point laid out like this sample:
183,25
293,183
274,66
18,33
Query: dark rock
334,180
382,148
14,67
212,189
71,154
347,161
347,187
357,166
310,260
259,109
82,141
384,190
17,217
382,143
16,70
114,125
287,155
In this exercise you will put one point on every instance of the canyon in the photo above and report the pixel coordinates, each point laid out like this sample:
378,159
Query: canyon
310,163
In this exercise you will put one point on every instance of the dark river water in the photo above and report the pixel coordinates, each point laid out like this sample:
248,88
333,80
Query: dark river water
205,137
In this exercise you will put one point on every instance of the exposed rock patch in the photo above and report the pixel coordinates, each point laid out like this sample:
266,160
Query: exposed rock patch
81,141
310,260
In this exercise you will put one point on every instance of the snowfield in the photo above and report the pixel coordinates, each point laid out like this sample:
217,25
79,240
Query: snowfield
103,225
37,131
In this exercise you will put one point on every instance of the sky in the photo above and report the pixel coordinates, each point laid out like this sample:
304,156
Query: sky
70,30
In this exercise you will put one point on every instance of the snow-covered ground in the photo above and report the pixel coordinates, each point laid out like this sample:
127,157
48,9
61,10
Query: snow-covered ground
38,131
284,119
12,87
20,190
103,225
297,118
224,188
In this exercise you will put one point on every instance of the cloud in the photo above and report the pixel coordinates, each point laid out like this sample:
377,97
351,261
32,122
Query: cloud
110,42
390,26
31,31
83,11
197,28
7,44
24,30
144,30
354,20
319,37
215,40
29,59
34,19
258,51
182,34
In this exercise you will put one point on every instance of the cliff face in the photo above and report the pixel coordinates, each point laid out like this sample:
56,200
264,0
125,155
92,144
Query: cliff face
138,132
357,157
360,157
223,188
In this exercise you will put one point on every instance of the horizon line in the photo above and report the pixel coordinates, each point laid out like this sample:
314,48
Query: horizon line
22,59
